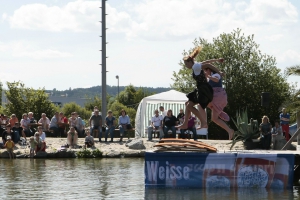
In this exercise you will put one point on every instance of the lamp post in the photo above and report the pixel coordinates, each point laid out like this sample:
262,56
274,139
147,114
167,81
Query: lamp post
117,77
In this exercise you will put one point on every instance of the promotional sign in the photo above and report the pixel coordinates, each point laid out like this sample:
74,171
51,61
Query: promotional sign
218,170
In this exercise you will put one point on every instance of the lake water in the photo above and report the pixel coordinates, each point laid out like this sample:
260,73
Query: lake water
103,179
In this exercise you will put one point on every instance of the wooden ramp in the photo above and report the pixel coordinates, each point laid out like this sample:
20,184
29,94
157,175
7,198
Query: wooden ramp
183,145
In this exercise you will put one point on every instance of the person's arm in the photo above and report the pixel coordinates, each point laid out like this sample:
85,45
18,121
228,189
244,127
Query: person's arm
213,60
212,68
214,77
128,119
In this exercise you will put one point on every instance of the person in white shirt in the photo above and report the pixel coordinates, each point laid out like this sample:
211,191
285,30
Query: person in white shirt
163,111
41,133
155,125
44,122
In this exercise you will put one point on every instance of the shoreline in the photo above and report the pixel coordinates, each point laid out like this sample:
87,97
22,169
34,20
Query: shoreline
102,149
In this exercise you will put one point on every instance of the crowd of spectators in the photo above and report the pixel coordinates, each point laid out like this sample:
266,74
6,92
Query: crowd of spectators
60,126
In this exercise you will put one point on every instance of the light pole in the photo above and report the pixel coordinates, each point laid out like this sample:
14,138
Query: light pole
117,77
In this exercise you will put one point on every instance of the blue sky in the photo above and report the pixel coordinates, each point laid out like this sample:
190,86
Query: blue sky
55,43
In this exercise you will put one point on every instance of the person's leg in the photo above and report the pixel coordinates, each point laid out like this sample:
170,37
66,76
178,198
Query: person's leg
173,131
161,133
193,129
112,129
150,131
199,113
182,133
165,131
106,133
221,123
121,132
100,133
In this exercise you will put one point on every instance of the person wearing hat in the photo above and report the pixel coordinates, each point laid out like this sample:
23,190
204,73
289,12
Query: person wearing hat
9,145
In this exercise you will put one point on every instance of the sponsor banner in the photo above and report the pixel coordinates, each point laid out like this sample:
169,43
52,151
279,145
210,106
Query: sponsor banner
218,170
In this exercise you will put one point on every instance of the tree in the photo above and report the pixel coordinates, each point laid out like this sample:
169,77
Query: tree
23,100
96,101
293,104
1,90
249,72
68,108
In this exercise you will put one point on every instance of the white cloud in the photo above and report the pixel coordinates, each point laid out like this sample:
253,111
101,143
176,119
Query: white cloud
274,37
29,50
289,56
77,16
4,16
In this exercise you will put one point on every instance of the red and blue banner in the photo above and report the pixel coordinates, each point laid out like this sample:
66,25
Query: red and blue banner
218,170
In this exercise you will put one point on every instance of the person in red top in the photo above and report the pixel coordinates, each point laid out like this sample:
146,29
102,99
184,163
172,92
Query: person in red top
13,120
63,123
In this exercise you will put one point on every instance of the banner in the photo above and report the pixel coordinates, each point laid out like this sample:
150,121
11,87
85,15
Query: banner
219,170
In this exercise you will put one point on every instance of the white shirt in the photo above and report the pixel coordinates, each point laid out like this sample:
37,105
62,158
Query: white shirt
164,113
197,67
157,120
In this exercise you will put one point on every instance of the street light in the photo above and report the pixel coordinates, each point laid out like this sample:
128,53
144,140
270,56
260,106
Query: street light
117,77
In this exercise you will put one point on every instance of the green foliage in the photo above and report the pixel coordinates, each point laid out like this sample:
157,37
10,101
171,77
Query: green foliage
116,108
2,110
95,101
1,89
68,108
244,131
131,97
24,100
87,153
249,72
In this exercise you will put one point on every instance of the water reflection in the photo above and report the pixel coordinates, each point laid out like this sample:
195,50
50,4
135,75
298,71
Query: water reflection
104,179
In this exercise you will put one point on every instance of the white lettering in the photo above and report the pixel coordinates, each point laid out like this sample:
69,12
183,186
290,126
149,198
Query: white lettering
152,170
186,174
161,173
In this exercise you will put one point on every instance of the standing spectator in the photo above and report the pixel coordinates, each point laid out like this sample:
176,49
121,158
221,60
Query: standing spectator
169,123
89,140
72,137
25,121
79,126
110,122
191,127
13,120
276,133
9,145
2,124
96,120
180,116
63,124
163,111
32,144
284,122
54,123
265,128
40,144
124,121
44,122
156,124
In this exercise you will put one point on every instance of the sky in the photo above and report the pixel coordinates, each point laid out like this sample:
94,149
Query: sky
55,43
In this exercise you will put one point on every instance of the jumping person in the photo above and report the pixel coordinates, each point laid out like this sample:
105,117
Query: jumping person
219,101
203,94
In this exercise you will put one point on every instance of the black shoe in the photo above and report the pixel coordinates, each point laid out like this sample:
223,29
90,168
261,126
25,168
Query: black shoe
121,139
99,140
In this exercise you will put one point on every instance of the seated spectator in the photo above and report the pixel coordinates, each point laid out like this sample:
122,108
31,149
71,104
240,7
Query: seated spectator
9,145
72,137
63,124
2,124
89,140
169,123
41,133
17,131
32,144
110,122
7,133
44,122
156,124
124,121
40,144
79,126
32,122
54,123
13,120
26,131
180,116
276,133
191,127
95,122
265,128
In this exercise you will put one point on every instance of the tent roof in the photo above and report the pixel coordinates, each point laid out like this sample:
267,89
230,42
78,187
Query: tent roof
169,96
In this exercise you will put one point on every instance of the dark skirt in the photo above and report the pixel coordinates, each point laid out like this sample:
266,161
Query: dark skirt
203,95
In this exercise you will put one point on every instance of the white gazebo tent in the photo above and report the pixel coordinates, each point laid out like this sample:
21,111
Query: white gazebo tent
172,99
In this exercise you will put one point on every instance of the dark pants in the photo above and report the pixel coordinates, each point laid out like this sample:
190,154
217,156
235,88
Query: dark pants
266,141
55,131
172,128
183,131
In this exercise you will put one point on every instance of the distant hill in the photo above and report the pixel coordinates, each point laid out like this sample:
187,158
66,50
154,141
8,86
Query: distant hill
97,91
